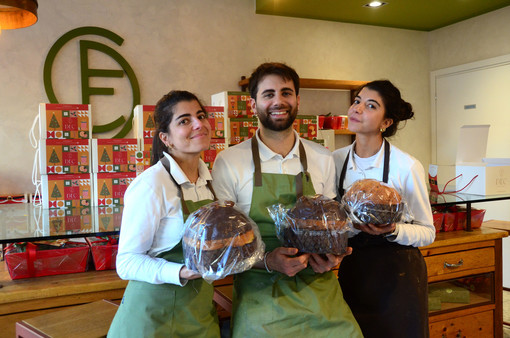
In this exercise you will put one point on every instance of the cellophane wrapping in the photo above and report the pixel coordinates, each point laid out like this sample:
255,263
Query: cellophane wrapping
369,201
104,251
219,240
44,258
315,224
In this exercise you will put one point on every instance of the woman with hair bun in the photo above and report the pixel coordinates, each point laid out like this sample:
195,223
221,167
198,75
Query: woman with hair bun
163,297
384,280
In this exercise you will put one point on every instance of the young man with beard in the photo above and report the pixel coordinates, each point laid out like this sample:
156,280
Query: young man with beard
288,293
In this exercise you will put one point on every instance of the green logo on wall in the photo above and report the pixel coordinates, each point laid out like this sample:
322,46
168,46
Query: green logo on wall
87,73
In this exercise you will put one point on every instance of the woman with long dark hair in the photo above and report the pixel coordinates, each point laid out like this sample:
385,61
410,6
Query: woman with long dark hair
163,297
384,280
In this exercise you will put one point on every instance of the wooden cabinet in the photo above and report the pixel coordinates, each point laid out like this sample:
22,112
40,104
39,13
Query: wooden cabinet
470,264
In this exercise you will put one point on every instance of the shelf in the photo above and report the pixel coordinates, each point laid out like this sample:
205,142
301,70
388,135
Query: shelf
318,84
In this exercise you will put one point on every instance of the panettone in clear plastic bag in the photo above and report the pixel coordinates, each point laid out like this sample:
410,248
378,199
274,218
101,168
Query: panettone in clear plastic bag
220,240
315,224
369,201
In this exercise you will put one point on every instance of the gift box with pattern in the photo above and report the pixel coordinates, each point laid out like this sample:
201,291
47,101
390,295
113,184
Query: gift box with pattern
67,221
218,120
114,155
143,157
143,121
209,155
108,218
59,156
242,129
109,188
65,121
66,191
236,104
306,126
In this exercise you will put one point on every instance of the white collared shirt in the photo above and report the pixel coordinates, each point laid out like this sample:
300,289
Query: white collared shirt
233,169
406,174
152,222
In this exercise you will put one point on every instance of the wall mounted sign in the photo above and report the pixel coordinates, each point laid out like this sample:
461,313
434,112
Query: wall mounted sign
87,73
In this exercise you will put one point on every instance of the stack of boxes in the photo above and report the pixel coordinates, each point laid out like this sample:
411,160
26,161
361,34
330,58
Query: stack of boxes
65,162
240,122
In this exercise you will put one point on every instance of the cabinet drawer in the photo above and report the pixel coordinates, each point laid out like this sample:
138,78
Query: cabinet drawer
459,261
474,325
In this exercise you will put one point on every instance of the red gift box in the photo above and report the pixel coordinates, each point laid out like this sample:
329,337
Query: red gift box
37,263
104,251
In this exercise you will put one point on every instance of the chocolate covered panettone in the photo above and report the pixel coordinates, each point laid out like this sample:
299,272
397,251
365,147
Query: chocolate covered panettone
316,224
370,201
219,240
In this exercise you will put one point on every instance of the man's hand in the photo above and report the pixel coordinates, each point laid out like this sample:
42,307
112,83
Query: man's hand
284,260
321,264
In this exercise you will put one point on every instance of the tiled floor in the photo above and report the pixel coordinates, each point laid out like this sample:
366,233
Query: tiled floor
506,313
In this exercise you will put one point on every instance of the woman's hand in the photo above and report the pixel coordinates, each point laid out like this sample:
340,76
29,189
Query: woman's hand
378,229
321,263
188,274
284,260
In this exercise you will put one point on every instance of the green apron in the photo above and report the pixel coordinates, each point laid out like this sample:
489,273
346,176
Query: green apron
273,304
167,310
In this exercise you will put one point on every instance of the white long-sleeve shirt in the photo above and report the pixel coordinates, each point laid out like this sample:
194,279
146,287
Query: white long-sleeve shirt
152,222
407,175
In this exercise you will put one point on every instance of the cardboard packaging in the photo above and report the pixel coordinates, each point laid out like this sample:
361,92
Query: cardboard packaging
66,191
209,155
64,156
306,126
242,129
65,121
218,120
236,104
109,188
114,155
492,175
143,121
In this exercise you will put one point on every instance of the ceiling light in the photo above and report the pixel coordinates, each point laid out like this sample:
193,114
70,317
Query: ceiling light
375,4
17,13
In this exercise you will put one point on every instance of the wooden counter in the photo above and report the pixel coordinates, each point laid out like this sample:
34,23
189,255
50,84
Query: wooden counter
26,298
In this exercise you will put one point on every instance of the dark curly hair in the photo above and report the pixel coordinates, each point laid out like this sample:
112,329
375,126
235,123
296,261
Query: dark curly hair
395,107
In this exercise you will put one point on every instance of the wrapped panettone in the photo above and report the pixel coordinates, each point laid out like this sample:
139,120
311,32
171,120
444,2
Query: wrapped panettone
220,240
316,224
370,201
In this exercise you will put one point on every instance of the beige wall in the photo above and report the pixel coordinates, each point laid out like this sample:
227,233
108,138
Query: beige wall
480,38
203,46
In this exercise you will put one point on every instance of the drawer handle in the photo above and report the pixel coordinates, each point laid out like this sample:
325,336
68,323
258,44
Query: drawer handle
453,266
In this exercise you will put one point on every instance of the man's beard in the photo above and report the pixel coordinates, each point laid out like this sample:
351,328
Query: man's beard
273,125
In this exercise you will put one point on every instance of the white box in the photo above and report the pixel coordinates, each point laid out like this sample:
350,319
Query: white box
492,175
144,125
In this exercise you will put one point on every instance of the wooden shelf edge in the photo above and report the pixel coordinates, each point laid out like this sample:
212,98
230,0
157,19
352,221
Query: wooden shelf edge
320,84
